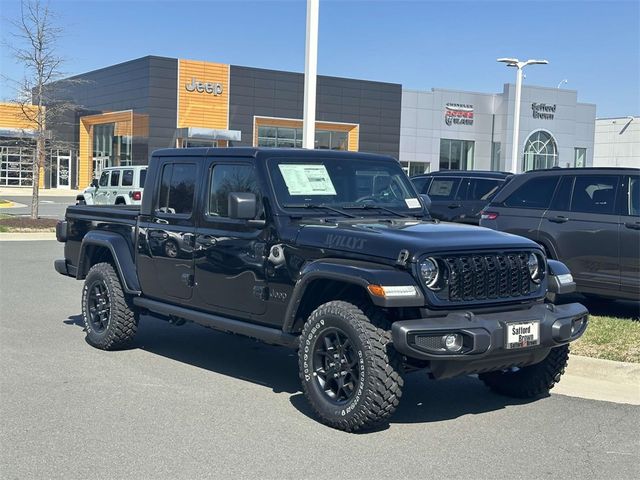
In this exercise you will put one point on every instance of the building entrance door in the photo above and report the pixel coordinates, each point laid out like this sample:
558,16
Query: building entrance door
64,172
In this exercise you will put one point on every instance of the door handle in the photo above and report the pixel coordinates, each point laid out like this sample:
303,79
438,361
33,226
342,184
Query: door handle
159,235
559,219
454,205
632,225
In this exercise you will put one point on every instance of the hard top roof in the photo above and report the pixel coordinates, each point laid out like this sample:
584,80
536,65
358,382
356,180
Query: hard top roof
465,173
231,152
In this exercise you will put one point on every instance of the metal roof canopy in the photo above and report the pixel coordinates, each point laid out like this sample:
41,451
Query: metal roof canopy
208,134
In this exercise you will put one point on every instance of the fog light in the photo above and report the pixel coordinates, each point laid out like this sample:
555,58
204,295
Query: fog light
453,342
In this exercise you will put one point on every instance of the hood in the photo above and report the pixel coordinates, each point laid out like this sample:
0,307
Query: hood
386,238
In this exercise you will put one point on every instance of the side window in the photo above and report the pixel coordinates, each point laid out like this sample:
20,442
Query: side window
143,177
634,197
483,188
420,183
594,194
104,179
443,188
562,198
177,188
115,178
127,178
534,193
226,179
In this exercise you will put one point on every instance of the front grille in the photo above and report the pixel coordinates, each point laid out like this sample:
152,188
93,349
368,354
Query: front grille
485,277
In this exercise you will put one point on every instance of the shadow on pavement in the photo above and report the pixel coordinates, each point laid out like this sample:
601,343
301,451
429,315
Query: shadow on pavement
276,368
625,309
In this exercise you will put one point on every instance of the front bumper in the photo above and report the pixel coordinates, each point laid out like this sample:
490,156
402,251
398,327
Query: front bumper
485,337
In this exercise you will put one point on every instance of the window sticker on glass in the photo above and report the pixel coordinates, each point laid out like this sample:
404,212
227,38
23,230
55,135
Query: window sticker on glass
307,179
412,202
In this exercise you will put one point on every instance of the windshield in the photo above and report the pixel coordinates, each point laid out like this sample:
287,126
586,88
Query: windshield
341,183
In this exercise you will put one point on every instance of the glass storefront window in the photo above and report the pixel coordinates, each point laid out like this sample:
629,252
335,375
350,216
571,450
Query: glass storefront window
540,152
580,157
285,137
456,154
112,145
496,150
16,166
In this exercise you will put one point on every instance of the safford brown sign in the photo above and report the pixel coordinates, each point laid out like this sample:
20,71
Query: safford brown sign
543,111
458,114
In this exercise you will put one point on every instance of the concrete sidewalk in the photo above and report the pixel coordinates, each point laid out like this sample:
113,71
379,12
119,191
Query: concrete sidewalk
44,192
603,380
27,237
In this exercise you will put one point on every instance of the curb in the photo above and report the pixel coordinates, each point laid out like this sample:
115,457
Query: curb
22,237
7,204
603,380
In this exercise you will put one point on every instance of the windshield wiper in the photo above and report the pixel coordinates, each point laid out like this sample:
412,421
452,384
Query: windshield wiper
317,206
368,206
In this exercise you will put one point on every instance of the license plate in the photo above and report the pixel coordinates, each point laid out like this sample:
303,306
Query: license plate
523,334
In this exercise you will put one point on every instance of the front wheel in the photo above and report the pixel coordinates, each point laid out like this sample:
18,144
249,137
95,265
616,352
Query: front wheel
351,374
532,381
109,317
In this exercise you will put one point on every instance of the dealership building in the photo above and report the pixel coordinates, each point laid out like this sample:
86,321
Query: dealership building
123,112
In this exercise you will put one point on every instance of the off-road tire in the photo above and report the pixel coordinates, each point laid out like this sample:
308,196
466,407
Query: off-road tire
122,322
531,381
379,366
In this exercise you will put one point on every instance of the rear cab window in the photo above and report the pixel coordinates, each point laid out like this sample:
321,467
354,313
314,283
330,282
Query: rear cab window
633,197
177,189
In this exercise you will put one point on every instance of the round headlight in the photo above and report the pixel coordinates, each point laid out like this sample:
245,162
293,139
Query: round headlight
533,263
430,272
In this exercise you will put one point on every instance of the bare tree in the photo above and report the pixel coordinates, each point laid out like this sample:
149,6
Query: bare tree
36,37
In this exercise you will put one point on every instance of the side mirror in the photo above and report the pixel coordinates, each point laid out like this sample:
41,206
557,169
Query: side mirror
242,205
426,200
94,183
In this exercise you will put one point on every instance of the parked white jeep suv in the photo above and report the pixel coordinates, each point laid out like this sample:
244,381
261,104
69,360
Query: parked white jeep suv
116,186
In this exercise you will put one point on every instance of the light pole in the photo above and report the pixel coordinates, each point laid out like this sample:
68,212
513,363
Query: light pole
514,62
562,81
310,72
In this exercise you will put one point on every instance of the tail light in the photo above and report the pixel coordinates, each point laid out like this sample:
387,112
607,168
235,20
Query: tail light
136,196
488,215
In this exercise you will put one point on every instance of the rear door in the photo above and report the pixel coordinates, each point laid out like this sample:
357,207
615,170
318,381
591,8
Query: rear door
445,202
582,225
166,253
629,228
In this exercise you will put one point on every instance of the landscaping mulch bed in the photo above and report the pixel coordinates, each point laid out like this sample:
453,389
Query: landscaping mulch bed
27,224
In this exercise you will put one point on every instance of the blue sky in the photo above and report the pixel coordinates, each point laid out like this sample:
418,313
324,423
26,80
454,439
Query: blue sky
595,45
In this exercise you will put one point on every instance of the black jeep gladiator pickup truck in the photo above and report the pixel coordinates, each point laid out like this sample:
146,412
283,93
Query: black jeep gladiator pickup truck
330,253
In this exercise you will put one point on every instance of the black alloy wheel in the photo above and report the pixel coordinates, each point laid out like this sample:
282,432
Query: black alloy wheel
99,306
335,364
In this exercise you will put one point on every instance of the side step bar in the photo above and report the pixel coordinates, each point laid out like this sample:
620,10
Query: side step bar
269,335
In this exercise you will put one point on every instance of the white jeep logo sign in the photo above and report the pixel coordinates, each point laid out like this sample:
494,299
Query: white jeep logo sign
204,87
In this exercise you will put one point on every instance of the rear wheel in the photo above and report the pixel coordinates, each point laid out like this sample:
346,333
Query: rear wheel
350,372
532,381
109,317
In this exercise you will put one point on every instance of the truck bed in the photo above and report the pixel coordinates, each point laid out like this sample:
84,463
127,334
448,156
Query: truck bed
127,214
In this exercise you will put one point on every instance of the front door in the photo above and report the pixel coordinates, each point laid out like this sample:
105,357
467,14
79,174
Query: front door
231,254
64,172
165,253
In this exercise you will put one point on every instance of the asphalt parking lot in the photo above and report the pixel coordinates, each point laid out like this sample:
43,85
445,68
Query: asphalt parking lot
187,402
49,206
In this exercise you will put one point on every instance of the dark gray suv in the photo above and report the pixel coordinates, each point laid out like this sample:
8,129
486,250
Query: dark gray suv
588,218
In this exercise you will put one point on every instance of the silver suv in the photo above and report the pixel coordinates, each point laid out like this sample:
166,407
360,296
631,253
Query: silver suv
116,186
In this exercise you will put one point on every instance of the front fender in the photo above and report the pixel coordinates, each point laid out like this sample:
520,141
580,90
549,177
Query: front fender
122,257
358,273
